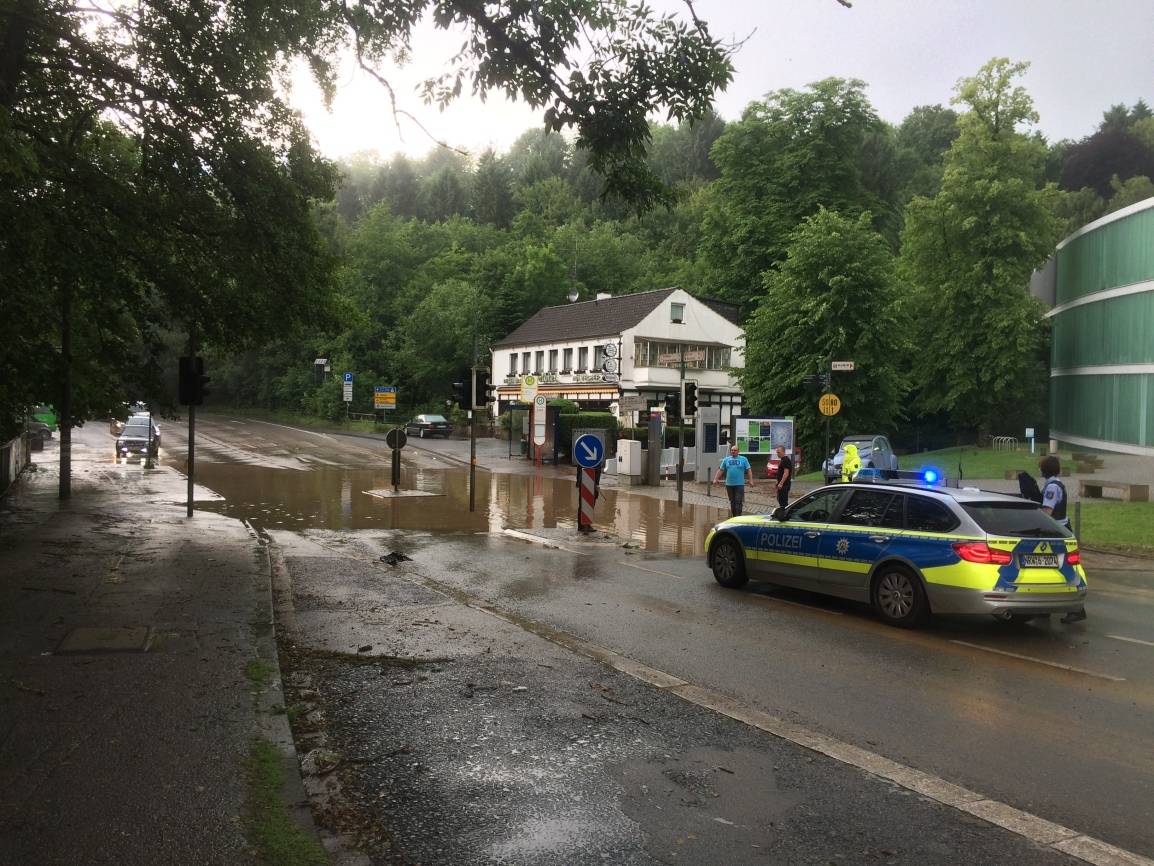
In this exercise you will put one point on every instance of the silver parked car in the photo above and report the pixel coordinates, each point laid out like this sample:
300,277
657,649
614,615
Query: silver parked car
874,450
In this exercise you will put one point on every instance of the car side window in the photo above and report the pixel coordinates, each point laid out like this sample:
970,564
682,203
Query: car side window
926,515
868,508
815,510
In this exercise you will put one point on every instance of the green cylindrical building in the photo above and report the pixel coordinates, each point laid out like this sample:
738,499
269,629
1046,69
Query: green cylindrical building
1101,287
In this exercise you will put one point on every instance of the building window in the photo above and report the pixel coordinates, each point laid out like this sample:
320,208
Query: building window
512,363
598,356
524,363
582,359
677,313
552,360
567,361
539,368
654,353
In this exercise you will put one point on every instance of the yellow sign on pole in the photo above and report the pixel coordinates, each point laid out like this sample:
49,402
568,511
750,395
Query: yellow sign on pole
829,404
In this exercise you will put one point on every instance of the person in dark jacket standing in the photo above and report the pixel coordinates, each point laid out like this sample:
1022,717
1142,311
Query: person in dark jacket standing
784,475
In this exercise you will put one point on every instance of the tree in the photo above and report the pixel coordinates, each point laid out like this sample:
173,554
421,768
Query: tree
1112,151
492,199
208,224
787,157
924,137
969,253
834,297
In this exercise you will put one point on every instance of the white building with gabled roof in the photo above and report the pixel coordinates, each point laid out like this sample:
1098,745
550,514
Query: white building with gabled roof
565,348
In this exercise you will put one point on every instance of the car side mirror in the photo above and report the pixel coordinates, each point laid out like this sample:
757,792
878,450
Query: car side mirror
778,513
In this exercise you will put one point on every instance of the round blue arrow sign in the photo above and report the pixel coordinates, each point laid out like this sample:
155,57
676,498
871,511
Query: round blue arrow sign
588,451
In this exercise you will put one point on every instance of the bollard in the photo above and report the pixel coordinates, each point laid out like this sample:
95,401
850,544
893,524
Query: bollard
708,480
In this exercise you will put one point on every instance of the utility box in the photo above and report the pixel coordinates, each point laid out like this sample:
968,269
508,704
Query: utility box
629,459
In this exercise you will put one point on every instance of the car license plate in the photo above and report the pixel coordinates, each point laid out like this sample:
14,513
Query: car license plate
1034,560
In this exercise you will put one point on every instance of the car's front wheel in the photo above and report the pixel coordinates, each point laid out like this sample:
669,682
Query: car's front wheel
898,596
729,563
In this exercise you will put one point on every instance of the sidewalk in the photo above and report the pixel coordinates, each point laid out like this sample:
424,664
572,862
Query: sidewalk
137,674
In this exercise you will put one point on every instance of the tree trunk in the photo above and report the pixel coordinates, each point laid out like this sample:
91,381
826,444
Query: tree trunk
65,408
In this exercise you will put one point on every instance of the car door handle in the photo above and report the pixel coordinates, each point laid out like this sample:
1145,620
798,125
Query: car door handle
879,539
812,534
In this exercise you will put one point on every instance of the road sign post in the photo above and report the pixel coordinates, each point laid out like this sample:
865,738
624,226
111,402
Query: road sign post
589,452
396,439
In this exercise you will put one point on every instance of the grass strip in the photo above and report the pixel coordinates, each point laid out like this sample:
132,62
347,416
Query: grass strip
1127,527
276,837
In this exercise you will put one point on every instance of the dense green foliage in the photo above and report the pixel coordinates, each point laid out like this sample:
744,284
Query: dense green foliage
154,185
806,211
834,297
152,176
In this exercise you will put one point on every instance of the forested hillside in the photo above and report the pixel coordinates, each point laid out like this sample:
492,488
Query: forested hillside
906,248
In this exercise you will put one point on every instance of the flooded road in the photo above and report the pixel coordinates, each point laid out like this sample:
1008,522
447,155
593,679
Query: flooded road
1052,719
270,476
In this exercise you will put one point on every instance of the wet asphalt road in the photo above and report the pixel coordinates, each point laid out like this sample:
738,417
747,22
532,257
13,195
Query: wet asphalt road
1052,719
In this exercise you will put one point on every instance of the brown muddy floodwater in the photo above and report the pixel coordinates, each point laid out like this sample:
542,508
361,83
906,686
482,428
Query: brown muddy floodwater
273,498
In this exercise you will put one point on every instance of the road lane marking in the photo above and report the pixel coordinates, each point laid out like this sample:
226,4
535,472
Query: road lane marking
547,542
651,570
1041,661
1131,639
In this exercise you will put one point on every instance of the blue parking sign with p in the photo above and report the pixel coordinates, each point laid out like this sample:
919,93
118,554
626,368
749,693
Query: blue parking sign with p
348,377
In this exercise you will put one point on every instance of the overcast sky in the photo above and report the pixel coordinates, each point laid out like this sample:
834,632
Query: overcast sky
1085,55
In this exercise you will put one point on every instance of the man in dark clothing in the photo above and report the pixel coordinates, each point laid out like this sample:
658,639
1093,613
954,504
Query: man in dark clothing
784,475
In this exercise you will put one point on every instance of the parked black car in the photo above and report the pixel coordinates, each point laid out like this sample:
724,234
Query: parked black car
429,425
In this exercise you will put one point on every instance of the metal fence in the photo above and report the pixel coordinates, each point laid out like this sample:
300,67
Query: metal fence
1004,443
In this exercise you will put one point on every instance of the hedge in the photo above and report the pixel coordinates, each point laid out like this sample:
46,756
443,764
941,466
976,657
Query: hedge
641,434
584,421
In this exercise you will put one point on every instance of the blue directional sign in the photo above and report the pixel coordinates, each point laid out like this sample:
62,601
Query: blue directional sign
349,378
588,451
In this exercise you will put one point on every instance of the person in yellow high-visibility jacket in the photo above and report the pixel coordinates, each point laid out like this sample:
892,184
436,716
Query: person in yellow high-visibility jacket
851,463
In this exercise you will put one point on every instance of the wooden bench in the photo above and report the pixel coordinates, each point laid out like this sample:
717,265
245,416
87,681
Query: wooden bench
1129,492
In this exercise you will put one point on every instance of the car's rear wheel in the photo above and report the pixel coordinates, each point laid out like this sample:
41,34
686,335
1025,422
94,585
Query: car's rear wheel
729,564
898,597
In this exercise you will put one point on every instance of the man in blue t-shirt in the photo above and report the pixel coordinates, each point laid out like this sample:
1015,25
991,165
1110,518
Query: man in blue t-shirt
737,473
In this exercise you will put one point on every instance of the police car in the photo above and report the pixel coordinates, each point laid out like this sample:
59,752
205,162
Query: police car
909,550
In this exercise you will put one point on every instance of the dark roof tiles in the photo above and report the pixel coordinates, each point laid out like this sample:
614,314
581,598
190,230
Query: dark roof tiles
603,318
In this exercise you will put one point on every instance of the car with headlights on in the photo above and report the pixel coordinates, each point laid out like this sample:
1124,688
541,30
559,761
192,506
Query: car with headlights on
140,437
909,551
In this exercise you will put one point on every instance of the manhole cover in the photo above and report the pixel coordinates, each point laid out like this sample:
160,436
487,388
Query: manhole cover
132,639
388,493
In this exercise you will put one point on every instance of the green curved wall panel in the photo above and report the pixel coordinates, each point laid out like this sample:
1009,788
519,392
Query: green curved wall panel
1112,331
1119,253
1113,408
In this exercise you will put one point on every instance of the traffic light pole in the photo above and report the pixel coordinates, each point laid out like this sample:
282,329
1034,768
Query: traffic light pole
191,429
681,428
828,389
472,460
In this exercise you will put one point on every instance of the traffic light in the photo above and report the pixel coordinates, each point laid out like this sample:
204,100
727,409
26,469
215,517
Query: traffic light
461,395
689,401
673,405
483,392
191,383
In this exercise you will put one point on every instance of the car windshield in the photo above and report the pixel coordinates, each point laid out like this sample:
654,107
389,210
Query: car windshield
1020,519
434,419
136,428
